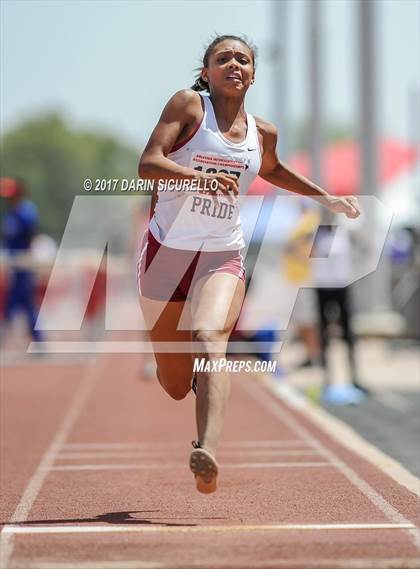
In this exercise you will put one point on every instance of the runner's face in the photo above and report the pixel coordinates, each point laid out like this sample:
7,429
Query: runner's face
231,68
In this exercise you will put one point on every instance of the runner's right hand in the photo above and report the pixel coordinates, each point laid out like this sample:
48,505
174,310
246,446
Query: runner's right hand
227,184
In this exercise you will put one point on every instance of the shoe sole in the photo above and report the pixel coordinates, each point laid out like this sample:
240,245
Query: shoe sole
205,469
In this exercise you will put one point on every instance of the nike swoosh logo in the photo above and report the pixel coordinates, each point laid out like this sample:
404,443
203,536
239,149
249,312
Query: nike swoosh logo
250,149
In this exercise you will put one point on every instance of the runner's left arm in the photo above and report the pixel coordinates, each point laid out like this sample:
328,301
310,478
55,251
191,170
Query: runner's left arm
279,174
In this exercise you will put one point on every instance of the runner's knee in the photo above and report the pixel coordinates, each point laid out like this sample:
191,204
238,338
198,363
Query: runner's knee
177,388
177,392
212,341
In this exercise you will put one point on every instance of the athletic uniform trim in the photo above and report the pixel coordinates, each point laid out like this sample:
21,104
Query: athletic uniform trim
184,142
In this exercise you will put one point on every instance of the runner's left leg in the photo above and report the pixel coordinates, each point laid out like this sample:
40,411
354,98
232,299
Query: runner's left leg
216,304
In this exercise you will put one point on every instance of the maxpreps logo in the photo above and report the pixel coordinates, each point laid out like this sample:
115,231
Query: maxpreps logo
83,239
233,366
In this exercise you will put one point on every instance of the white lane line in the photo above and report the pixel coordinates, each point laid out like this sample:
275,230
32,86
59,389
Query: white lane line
134,564
177,444
35,483
280,412
359,563
349,438
393,400
249,465
146,454
132,528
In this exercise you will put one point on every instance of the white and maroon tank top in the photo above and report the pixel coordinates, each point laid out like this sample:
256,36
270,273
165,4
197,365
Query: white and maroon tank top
191,220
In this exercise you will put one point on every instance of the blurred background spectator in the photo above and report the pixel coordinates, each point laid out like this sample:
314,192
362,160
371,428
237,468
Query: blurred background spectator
297,267
335,307
19,226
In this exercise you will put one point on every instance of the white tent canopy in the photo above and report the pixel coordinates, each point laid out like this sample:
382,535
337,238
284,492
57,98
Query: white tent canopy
402,196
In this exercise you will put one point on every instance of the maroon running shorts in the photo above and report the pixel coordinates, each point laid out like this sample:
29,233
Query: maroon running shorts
169,274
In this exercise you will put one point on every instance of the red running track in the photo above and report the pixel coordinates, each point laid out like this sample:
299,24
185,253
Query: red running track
95,476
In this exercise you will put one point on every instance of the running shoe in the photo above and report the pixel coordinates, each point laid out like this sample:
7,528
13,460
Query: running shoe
342,395
205,469
362,388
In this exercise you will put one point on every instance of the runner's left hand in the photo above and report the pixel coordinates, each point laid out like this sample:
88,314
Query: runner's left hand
349,205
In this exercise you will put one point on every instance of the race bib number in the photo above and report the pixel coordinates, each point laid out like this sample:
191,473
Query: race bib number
210,163
222,210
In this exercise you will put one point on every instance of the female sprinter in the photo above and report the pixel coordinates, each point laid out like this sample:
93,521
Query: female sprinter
191,274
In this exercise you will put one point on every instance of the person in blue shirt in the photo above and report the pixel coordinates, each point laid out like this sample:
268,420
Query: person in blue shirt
19,225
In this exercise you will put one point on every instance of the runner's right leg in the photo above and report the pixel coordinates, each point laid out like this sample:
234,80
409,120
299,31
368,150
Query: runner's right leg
174,369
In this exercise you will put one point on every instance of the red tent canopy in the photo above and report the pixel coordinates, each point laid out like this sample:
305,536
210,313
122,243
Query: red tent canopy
341,166
260,187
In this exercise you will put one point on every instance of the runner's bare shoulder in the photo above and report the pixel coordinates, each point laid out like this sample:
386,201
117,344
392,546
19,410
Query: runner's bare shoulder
181,114
266,129
267,136
184,105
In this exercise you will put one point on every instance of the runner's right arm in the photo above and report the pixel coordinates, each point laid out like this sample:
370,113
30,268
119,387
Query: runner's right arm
182,111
